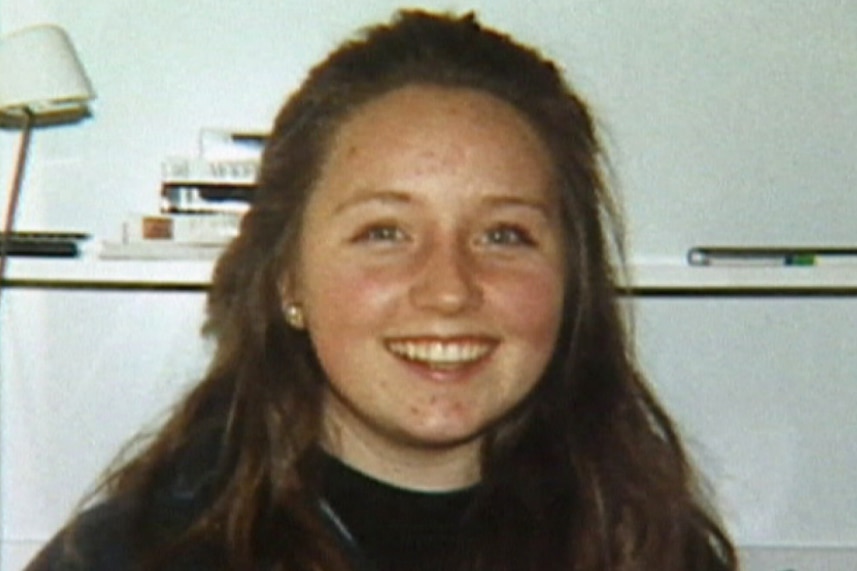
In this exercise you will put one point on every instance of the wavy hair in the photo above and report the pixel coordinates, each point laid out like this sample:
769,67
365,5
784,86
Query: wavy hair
588,474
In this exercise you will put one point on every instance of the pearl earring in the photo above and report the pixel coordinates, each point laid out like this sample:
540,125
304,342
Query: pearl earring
295,315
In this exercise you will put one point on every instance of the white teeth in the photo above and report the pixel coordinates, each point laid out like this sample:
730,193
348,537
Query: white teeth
438,352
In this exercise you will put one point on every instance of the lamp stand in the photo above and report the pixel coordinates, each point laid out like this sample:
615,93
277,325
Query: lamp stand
15,193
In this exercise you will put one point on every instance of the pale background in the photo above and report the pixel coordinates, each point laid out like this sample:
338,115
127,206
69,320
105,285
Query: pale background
727,122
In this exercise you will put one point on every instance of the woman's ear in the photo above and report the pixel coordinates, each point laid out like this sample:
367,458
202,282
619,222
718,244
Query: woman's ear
286,287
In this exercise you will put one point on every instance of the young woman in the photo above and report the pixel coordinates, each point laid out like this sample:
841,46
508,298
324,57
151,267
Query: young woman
420,359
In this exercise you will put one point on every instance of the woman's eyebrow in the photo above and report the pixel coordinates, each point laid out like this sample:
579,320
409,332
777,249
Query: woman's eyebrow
540,206
373,196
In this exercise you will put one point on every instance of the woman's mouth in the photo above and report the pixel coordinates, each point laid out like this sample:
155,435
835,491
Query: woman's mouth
442,354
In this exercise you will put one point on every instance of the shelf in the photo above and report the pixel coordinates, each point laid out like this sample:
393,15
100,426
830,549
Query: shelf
650,279
679,279
93,273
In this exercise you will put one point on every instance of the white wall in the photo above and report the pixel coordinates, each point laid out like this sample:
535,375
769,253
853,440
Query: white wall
728,122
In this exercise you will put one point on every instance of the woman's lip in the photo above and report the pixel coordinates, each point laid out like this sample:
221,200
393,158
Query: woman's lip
442,353
445,373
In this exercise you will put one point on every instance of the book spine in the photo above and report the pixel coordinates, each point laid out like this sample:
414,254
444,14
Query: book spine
200,171
217,228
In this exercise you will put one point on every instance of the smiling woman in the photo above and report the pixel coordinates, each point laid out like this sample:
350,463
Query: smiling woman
455,280
420,360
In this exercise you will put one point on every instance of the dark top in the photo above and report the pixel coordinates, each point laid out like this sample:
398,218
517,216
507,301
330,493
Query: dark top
381,527
394,528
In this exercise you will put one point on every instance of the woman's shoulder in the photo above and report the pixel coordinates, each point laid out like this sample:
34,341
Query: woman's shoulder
98,539
111,534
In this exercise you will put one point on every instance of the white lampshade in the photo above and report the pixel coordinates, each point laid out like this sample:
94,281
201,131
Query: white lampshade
41,74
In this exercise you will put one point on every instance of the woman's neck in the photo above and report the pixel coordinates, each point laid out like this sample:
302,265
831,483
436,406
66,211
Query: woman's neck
423,468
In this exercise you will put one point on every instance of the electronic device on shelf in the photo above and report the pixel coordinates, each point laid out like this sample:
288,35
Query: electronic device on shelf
54,244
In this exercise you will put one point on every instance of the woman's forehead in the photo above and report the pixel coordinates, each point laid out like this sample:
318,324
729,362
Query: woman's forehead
421,131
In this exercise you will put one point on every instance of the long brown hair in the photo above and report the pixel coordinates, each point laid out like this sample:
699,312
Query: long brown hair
587,474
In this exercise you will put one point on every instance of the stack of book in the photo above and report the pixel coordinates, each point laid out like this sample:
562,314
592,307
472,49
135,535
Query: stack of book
202,200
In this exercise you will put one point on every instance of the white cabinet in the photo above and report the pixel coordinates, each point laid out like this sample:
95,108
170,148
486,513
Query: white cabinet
757,365
765,391
82,372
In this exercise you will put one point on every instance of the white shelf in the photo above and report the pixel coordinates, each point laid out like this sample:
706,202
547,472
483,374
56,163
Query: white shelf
97,273
666,278
646,278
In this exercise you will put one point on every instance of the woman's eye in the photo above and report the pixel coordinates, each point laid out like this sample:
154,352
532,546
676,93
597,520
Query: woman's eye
381,234
509,236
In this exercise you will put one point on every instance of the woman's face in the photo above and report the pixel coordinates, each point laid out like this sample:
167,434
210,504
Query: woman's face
431,274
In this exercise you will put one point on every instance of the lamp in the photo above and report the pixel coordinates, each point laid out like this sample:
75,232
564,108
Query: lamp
42,82
40,75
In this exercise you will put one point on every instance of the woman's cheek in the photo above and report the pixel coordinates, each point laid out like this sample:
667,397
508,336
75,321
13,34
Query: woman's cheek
533,302
356,291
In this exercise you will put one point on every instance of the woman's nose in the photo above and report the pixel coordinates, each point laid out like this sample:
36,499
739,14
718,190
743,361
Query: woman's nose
446,282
